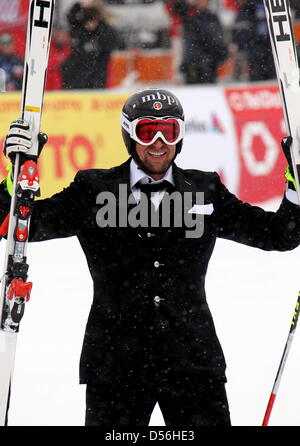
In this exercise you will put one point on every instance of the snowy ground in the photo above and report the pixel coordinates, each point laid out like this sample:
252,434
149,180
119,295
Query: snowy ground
252,295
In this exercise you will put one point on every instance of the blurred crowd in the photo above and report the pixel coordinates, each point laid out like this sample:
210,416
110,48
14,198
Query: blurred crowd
201,35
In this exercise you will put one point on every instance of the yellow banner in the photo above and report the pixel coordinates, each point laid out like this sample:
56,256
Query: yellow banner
83,129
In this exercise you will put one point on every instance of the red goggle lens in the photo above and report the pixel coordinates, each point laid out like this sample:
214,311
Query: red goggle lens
146,129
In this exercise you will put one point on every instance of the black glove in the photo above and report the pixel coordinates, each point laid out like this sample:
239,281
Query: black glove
43,139
286,143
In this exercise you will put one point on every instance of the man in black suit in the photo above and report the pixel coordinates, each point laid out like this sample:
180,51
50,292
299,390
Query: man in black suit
150,336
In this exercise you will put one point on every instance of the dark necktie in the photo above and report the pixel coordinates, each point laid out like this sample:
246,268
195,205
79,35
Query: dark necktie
148,188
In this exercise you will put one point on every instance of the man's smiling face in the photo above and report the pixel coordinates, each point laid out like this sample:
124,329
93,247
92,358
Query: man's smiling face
156,158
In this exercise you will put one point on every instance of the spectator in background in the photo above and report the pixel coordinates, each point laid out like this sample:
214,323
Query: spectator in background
295,5
59,52
10,63
93,41
250,34
204,48
296,8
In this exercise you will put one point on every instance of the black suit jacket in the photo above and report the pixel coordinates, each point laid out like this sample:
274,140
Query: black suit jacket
128,330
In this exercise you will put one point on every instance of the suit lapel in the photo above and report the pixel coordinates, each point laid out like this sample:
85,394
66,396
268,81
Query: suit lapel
185,185
120,175
118,183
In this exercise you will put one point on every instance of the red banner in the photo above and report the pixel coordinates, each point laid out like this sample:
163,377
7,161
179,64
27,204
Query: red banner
259,124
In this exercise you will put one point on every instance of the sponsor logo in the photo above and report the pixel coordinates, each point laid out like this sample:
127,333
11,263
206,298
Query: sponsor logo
212,125
32,68
125,124
280,16
254,100
41,22
157,105
158,96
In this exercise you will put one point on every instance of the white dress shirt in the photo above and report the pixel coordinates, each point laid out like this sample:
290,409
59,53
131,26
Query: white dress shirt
138,175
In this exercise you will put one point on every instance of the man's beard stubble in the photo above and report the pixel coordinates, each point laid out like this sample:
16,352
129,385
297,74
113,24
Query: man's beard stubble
149,170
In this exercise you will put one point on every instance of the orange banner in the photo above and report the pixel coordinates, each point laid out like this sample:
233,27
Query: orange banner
83,129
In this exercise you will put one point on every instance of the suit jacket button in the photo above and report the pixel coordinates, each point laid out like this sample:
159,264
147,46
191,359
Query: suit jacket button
156,264
157,301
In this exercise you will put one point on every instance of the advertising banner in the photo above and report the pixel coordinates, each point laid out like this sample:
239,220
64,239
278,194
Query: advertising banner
210,140
233,131
237,133
83,130
259,128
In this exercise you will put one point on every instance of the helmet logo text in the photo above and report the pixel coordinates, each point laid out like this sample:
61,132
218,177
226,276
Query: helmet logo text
157,96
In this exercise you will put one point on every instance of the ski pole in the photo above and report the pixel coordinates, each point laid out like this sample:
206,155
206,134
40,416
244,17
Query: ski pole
282,363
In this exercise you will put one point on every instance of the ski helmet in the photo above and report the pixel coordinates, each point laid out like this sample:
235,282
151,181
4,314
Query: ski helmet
153,103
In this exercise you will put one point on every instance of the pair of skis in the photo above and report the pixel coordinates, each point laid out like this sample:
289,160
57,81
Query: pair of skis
281,33
15,290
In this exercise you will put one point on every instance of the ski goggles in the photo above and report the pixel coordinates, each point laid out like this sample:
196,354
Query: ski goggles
147,130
